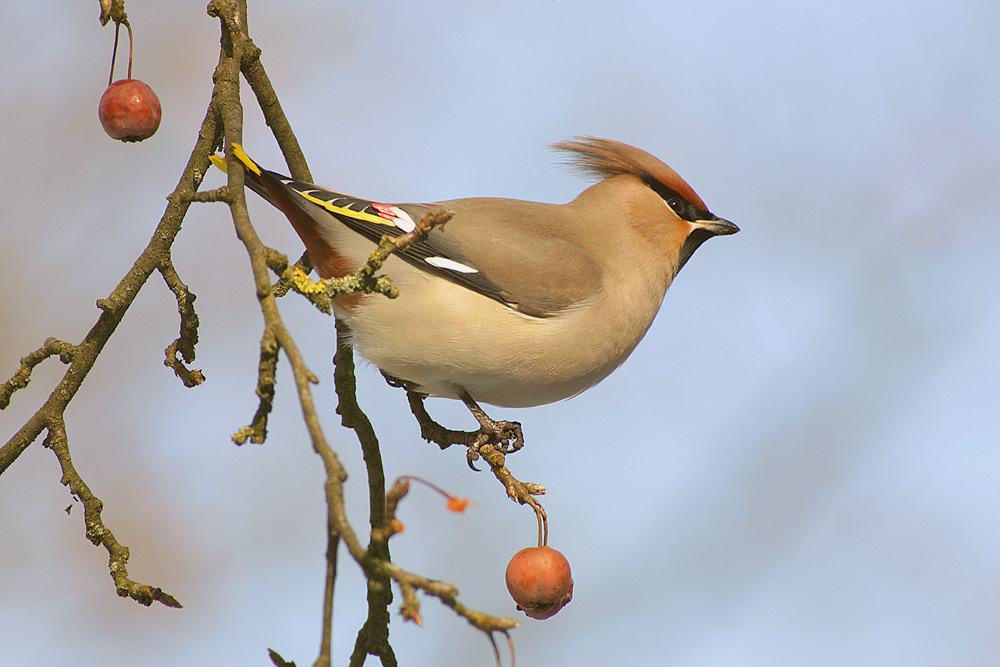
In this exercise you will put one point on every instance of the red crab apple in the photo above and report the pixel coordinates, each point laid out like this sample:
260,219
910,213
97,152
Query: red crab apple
129,110
539,580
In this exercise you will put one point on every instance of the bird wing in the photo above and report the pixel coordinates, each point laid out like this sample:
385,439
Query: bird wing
523,250
495,247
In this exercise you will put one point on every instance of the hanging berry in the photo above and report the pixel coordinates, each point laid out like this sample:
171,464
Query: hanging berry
539,580
129,109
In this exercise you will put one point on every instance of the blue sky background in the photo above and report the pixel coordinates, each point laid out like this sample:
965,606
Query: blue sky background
798,465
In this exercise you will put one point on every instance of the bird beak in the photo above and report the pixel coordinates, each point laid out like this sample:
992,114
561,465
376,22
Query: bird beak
703,230
718,226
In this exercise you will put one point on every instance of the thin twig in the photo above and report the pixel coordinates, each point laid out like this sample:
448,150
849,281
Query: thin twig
188,337
267,369
97,533
22,376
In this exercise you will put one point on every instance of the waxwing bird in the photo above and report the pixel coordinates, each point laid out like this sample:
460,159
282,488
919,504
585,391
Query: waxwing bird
512,303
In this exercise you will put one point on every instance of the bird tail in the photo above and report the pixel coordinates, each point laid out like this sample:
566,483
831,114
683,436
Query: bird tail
241,155
254,179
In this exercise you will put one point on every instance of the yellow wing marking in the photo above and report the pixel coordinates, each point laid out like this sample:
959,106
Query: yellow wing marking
349,212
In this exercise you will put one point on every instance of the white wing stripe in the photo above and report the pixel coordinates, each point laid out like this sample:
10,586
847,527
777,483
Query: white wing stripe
450,265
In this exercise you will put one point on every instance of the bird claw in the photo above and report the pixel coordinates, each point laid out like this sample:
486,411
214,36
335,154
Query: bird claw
505,436
509,437
472,454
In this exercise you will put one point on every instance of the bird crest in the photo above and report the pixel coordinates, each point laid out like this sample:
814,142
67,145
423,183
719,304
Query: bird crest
605,158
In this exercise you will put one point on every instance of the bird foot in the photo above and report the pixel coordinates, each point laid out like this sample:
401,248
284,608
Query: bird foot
505,436
493,437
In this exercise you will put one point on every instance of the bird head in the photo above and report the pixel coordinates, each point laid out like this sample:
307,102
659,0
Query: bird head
681,213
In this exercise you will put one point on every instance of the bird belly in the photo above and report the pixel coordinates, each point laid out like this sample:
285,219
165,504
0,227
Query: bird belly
446,338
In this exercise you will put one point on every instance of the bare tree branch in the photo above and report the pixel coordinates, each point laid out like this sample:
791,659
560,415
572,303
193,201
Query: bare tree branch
82,357
224,120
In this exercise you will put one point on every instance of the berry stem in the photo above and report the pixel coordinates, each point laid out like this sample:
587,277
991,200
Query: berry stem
128,26
455,503
543,521
114,54
114,50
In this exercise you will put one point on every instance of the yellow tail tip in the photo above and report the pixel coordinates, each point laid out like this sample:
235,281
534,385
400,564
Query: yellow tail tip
240,155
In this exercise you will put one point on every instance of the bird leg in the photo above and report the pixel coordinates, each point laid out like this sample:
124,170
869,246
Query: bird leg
491,445
430,430
505,436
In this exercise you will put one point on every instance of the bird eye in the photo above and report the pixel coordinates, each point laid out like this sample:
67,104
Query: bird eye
677,205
